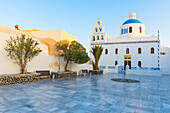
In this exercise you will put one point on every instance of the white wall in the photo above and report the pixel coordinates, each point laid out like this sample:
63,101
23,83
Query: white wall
147,59
41,62
110,69
165,63
78,67
135,29
144,72
7,66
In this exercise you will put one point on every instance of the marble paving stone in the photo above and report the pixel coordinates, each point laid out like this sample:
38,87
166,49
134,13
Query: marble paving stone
88,94
142,111
128,110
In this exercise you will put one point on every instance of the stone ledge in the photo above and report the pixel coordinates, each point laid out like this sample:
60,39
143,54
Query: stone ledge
19,78
62,75
95,72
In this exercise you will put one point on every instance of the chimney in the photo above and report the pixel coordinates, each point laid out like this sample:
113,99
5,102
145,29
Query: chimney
16,27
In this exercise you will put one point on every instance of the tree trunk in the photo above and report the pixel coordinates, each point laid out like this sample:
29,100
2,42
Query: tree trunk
97,65
22,70
66,65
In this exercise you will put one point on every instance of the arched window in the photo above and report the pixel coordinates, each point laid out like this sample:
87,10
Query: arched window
98,23
93,38
139,51
96,30
140,29
116,63
102,37
116,51
121,31
139,63
100,29
152,50
106,51
130,29
97,37
127,51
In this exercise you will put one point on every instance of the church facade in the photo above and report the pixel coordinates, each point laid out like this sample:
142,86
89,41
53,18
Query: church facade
133,51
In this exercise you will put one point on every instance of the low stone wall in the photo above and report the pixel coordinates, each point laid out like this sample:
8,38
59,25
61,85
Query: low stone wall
95,72
62,75
18,78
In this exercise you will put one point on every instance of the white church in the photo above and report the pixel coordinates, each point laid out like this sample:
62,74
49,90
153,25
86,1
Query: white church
133,52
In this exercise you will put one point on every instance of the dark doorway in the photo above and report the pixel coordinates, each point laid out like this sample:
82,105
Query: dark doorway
127,63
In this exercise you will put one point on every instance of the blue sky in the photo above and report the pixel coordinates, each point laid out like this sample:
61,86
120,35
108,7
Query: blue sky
78,17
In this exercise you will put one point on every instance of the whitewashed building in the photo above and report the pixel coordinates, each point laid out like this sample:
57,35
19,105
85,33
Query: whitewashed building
46,60
132,51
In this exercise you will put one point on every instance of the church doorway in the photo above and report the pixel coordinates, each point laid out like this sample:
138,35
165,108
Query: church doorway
127,62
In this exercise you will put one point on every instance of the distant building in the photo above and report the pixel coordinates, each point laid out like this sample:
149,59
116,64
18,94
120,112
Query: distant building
132,51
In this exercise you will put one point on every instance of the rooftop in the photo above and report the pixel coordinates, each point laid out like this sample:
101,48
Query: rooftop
129,21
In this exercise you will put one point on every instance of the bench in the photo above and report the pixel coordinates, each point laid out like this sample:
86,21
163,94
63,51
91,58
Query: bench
84,72
44,73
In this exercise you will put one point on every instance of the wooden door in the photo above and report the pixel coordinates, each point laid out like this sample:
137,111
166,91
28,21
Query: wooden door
129,63
125,63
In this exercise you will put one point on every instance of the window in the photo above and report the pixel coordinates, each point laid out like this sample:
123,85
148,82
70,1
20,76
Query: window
140,29
96,30
152,50
139,63
121,31
93,38
98,23
100,29
130,29
102,37
116,63
106,51
127,51
139,50
97,37
125,30
116,51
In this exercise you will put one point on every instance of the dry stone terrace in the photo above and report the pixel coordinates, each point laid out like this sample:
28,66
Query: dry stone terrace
88,94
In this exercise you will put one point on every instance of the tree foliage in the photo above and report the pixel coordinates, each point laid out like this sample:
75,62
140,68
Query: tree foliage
74,52
63,46
77,53
97,52
22,50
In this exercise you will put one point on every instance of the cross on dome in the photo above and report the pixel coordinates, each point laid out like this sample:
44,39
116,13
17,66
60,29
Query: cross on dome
132,15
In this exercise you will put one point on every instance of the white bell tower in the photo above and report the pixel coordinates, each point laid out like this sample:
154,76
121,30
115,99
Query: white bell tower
98,35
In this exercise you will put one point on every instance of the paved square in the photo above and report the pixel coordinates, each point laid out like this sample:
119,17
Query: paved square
89,94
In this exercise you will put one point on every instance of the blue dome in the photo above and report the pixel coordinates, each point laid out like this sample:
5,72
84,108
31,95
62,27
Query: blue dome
131,21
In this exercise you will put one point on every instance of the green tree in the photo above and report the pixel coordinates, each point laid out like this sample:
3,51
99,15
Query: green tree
74,52
22,50
77,53
63,47
97,52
